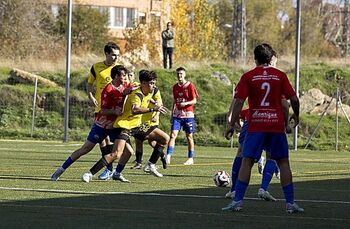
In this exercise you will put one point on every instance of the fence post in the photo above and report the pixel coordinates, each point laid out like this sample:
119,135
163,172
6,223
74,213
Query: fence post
34,105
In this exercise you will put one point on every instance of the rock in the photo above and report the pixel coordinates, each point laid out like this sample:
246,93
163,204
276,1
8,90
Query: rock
222,77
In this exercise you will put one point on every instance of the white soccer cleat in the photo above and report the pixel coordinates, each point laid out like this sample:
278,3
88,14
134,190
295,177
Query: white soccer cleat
230,195
120,177
57,174
153,170
265,195
233,206
189,161
261,164
293,208
87,177
168,158
147,168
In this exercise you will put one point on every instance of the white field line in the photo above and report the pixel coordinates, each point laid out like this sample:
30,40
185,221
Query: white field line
154,194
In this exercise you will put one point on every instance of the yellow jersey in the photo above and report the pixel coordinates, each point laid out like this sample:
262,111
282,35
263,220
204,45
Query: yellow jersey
147,118
100,74
128,120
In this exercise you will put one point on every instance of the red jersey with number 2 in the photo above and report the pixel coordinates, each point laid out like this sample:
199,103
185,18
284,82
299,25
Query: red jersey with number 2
264,87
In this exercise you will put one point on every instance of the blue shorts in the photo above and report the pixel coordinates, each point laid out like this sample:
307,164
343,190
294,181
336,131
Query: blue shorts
275,143
97,134
187,124
243,133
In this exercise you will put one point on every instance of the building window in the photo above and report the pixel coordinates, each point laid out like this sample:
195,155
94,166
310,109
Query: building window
130,17
118,17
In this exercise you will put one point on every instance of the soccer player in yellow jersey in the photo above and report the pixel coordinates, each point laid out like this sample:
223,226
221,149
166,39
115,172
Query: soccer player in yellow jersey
128,124
98,78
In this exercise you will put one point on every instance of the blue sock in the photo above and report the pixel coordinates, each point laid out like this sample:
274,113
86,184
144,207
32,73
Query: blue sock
67,163
190,153
268,172
235,170
288,191
119,168
241,188
170,150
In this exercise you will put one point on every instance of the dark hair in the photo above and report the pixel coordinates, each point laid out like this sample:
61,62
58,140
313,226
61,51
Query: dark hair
146,76
180,69
109,46
117,70
169,22
263,53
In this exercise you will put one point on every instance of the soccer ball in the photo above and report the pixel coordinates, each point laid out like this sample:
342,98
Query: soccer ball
222,179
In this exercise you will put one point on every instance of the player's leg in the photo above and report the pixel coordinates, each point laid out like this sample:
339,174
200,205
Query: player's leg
234,172
269,170
96,135
175,128
138,154
120,136
253,145
124,158
279,152
106,149
188,127
161,139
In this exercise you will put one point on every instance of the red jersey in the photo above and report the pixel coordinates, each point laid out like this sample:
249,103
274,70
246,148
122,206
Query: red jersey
184,93
244,114
264,86
111,98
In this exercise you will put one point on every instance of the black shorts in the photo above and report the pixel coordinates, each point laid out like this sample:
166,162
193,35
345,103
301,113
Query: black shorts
124,134
143,132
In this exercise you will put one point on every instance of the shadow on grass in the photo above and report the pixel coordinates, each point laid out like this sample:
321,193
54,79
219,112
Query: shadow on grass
327,204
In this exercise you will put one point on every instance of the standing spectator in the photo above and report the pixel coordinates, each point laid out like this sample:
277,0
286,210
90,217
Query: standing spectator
264,86
168,45
184,97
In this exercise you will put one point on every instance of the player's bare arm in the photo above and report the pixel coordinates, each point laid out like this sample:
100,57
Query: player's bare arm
89,90
231,125
294,102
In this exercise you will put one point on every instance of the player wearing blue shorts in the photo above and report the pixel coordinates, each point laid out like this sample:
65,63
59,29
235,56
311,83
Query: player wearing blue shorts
264,87
184,98
103,120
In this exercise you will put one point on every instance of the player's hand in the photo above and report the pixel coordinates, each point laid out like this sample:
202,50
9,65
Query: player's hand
183,104
288,129
294,119
118,111
162,109
229,132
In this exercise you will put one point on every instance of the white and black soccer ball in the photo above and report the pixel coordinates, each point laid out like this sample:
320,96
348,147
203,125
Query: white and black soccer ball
222,179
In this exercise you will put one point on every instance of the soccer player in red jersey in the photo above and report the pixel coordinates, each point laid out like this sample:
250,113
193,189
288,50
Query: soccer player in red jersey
264,86
184,98
112,99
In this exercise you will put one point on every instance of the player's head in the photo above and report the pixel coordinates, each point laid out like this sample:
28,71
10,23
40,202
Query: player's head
119,72
112,52
263,54
169,25
131,74
181,74
148,80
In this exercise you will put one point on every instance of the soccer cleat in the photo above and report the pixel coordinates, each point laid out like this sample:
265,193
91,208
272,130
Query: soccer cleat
168,158
230,195
147,168
189,161
233,206
293,208
120,177
153,170
87,177
57,174
164,161
105,175
261,163
137,166
265,195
